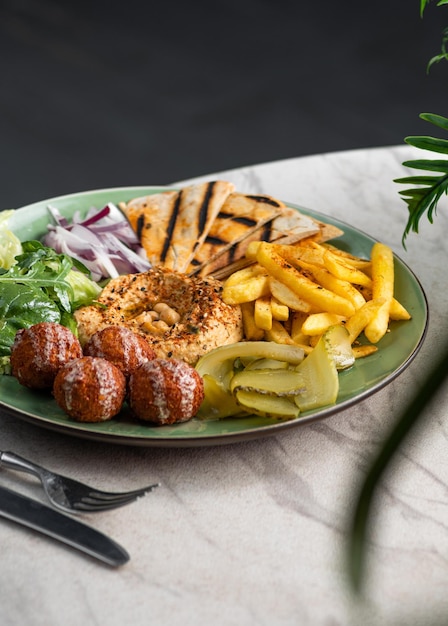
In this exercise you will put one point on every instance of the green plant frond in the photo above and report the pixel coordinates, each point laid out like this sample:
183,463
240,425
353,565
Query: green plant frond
417,198
423,4
413,193
436,59
428,207
432,165
421,201
437,120
419,180
434,144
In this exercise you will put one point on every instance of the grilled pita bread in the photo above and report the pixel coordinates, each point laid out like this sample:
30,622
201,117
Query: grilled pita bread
205,228
245,218
240,218
172,225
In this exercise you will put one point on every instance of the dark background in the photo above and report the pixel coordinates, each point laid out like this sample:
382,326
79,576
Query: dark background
98,94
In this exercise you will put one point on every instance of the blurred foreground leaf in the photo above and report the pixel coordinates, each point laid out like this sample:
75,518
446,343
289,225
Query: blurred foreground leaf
362,513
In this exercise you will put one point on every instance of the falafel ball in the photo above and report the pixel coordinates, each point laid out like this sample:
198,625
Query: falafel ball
165,391
120,346
39,352
90,389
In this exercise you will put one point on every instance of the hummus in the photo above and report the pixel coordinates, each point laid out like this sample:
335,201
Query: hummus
203,320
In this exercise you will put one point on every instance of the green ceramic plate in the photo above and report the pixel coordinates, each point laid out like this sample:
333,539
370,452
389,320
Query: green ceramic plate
367,376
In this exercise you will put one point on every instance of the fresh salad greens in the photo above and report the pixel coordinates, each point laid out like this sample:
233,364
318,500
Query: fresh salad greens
49,280
10,245
41,285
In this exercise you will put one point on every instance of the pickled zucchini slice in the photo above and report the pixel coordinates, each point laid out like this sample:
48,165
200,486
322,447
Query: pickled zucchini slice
217,369
279,382
261,364
267,405
337,342
218,401
219,362
319,377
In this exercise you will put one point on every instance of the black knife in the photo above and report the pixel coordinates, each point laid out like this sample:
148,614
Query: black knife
38,516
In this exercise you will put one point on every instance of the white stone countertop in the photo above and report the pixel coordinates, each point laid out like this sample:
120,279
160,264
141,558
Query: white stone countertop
254,533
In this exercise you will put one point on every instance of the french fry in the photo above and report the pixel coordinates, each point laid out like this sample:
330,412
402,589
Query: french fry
363,316
263,313
339,268
298,336
245,274
280,311
318,323
287,324
382,287
350,259
336,285
319,297
251,250
295,254
286,296
246,291
251,330
397,311
360,352
291,293
278,334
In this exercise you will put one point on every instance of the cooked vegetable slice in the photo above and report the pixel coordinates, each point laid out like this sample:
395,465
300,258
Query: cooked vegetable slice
219,362
218,401
278,382
319,378
338,344
267,405
260,364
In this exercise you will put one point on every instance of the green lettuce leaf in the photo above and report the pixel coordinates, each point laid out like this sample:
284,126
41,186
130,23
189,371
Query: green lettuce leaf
10,245
41,286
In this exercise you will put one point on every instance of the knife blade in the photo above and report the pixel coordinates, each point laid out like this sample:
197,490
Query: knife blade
38,516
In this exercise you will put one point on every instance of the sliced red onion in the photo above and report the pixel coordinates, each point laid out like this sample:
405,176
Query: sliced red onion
103,240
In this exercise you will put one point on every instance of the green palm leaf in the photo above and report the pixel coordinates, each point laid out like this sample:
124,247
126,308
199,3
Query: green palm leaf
423,197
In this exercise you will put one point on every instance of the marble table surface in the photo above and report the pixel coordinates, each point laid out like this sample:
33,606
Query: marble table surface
254,533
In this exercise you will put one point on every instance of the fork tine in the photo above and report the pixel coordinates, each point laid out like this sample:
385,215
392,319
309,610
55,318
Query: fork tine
110,496
98,506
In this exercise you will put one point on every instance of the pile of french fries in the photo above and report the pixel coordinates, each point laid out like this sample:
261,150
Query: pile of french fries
293,293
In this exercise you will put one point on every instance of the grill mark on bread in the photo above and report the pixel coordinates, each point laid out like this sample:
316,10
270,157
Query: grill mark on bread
139,226
266,232
204,211
265,200
171,226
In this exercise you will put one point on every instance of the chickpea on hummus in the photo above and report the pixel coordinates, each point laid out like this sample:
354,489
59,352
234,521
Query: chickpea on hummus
181,317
